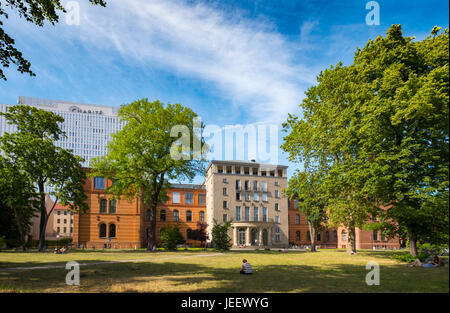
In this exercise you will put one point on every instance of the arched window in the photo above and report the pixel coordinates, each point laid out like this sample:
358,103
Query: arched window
327,236
188,216
148,215
189,233
297,218
176,216
112,206
308,236
102,230
162,215
201,216
103,206
112,230
335,238
344,235
297,235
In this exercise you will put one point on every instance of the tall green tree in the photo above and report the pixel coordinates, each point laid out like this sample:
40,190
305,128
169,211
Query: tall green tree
141,160
17,203
33,11
380,126
307,188
220,238
32,150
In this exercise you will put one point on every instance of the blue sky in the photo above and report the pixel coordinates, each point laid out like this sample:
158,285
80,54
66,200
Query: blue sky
233,62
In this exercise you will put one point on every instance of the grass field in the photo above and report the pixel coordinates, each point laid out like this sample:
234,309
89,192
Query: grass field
209,271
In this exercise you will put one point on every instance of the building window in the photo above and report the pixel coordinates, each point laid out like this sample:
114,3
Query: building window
175,197
162,215
112,206
276,194
238,196
71,229
201,199
99,182
57,229
327,237
297,235
224,180
103,205
238,184
224,204
277,219
276,183
176,216
247,214
188,198
148,215
238,213
255,214
335,237
102,231
264,186
255,185
277,234
319,236
225,217
65,212
375,235
65,230
382,237
297,219
224,191
188,216
276,207
344,235
264,197
58,221
255,197
59,212
112,230
201,216
247,185
264,212
65,221
247,196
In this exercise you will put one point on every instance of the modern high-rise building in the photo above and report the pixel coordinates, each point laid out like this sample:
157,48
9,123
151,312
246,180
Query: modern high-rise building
88,127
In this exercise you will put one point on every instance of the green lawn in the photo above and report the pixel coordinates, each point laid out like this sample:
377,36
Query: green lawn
208,271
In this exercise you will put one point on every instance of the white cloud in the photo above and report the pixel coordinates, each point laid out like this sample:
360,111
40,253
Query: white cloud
252,65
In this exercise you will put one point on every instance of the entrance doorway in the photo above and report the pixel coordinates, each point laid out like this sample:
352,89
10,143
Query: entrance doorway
254,237
241,236
265,237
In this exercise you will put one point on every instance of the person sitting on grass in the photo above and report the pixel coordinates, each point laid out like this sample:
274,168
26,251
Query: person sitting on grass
436,262
246,268
62,250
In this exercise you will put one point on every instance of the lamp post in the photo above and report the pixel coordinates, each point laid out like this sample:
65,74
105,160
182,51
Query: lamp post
57,241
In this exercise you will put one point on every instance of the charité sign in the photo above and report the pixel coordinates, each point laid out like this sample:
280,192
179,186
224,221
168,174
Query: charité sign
76,109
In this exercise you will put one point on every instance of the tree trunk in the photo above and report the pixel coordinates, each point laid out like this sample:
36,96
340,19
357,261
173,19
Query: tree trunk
151,234
412,244
351,246
44,217
312,231
20,228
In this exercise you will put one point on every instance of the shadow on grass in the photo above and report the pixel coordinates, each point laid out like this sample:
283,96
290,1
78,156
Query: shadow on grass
194,277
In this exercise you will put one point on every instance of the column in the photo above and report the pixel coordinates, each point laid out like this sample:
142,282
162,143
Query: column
247,237
235,236
269,241
260,243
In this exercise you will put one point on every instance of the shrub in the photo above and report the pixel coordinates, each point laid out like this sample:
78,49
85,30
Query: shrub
220,238
171,237
408,258
2,242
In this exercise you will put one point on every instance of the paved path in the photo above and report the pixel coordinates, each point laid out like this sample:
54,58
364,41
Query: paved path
43,267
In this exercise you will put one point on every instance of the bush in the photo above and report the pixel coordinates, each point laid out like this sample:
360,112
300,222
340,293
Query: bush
171,237
220,238
2,242
430,249
51,243
408,258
